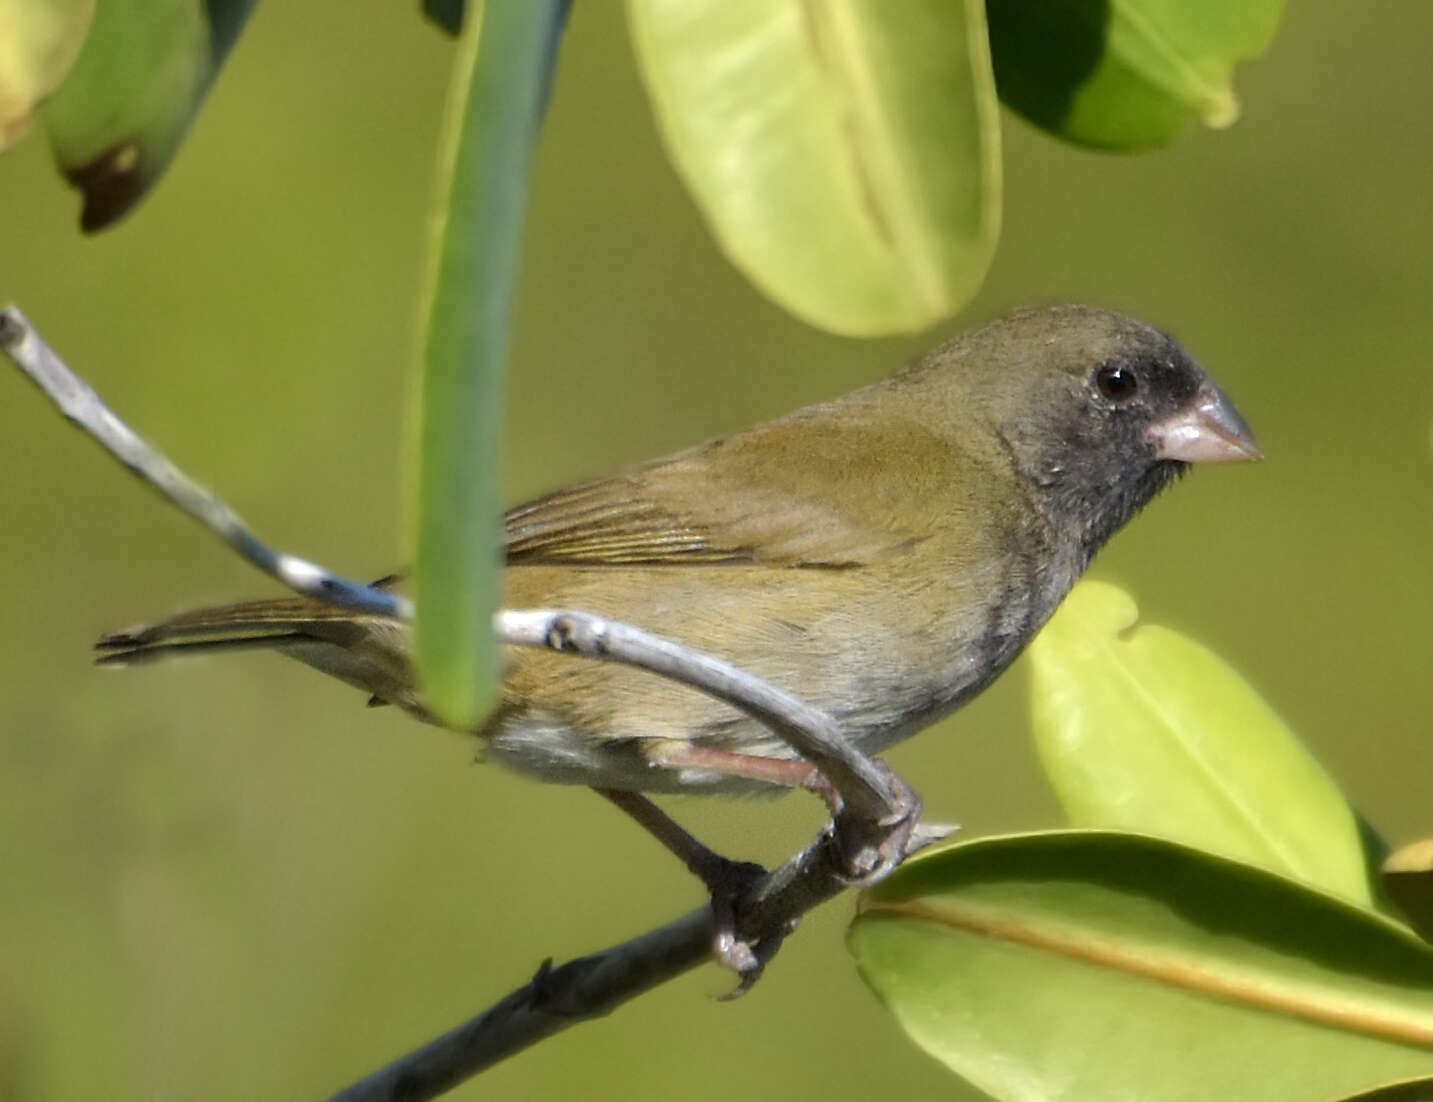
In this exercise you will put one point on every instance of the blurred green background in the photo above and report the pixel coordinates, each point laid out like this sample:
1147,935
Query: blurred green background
228,879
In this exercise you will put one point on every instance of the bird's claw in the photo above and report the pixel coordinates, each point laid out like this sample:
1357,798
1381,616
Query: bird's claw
739,944
868,854
865,853
755,954
730,884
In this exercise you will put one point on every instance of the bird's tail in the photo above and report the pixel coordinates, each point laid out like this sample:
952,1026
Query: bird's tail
253,624
366,651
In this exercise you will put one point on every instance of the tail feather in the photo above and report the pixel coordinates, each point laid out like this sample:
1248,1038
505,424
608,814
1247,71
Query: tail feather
365,651
118,653
247,620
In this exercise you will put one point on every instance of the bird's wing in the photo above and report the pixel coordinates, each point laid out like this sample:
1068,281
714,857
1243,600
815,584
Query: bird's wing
610,522
738,500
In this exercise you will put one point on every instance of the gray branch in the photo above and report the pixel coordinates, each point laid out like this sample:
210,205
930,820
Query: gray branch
865,788
592,986
84,408
872,831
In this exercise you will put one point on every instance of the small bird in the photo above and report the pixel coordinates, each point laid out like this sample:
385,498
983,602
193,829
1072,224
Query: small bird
883,555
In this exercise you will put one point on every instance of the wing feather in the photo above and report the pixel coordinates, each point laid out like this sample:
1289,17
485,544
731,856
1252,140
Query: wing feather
772,495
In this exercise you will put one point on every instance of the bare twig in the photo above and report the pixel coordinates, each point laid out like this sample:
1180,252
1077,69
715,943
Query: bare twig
86,409
553,1000
594,985
865,788
873,830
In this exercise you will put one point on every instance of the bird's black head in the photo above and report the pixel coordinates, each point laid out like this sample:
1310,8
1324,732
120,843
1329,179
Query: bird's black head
1097,411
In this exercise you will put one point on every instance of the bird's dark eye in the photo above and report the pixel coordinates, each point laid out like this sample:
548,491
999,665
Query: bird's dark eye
1117,384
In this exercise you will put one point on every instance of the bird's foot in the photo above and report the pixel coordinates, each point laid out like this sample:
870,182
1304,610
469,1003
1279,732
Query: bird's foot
735,943
868,852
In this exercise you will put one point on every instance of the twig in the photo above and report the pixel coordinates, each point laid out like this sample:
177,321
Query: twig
594,985
86,409
550,1002
874,829
865,788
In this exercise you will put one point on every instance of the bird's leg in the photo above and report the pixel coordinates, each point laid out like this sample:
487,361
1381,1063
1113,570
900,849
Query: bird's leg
726,880
784,772
866,852
867,856
708,866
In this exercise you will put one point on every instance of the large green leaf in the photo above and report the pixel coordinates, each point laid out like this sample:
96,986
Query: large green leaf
504,55
1142,729
39,40
1088,966
845,153
140,79
1125,74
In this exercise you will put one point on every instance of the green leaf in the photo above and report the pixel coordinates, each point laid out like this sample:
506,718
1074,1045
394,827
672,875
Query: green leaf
1125,74
1142,729
140,79
504,55
846,155
1083,966
39,40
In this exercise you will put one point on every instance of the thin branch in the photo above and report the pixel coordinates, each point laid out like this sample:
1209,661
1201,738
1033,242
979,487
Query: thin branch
874,829
83,407
865,788
592,986
550,1002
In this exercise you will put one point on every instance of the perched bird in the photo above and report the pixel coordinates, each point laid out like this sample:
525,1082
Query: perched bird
883,555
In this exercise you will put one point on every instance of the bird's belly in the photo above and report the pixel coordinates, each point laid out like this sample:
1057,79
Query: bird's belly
883,661
875,700
557,751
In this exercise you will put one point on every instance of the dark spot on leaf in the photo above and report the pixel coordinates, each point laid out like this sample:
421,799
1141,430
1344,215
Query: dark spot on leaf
110,184
448,14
